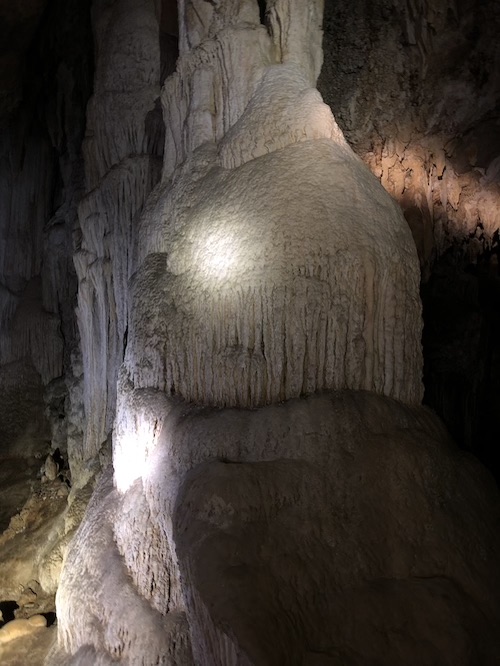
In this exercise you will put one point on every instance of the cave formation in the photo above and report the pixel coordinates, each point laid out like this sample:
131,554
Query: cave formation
249,332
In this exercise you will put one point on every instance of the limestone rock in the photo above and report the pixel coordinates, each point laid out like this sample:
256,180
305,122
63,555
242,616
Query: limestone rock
34,542
415,87
434,143
273,478
246,293
47,60
257,294
112,620
281,523
50,469
121,169
17,628
23,427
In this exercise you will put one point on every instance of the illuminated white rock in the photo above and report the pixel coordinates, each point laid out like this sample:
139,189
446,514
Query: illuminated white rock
250,522
281,277
268,264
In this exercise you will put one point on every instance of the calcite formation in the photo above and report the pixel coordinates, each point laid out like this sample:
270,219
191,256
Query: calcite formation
41,127
264,536
259,291
252,324
121,168
258,294
17,628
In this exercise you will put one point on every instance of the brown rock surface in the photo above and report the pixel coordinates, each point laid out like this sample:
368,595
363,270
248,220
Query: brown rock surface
31,649
416,88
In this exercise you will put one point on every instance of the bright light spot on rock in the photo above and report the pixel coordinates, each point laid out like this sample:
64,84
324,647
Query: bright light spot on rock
128,461
134,438
217,255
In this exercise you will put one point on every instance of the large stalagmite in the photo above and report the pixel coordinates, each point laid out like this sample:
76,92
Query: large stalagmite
260,292
273,477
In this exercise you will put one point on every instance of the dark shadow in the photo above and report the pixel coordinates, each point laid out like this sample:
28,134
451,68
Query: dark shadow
169,39
58,459
51,617
154,128
262,11
8,608
461,343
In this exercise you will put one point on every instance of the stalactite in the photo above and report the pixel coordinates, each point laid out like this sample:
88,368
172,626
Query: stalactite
121,168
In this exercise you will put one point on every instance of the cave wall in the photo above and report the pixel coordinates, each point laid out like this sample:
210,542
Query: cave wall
48,62
45,79
415,86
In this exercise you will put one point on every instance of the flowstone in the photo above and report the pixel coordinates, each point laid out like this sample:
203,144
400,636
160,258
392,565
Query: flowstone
278,278
259,536
273,476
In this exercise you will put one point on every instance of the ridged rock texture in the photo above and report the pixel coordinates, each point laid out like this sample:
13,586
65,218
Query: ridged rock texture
250,319
124,140
415,86
41,174
340,528
435,146
45,80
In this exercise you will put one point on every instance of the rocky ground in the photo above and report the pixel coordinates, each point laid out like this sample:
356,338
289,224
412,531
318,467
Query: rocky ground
38,513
